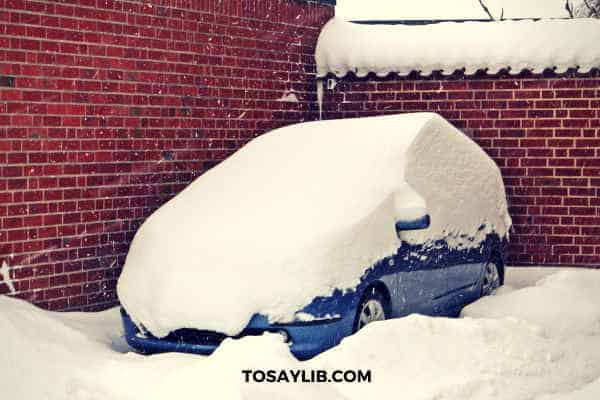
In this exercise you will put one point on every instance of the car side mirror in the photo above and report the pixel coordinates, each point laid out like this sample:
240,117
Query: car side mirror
413,224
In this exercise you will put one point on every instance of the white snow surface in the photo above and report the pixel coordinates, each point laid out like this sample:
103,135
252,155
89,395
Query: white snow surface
455,9
345,47
301,211
289,97
537,338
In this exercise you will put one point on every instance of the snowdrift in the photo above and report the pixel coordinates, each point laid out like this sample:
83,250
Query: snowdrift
448,47
301,211
502,349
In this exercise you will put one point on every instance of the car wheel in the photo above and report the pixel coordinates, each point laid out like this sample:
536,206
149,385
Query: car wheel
491,278
370,309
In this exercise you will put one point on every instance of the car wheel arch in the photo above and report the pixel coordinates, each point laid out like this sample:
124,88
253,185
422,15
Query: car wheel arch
378,287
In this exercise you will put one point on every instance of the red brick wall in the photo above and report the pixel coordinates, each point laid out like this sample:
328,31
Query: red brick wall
108,108
543,132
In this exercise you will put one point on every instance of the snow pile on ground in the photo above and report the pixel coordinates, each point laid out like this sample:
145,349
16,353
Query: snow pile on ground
522,343
37,346
345,47
587,392
301,211
571,314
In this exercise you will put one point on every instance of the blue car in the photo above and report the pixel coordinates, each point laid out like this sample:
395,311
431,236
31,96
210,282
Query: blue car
449,224
441,287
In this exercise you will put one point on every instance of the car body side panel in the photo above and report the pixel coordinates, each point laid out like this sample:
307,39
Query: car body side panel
434,279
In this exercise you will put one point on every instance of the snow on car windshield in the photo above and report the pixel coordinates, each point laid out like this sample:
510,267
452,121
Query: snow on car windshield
299,212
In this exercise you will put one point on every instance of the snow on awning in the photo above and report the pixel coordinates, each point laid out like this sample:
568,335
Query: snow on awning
447,47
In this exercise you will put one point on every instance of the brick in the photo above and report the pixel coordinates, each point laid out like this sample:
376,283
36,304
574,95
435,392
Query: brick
501,94
547,132
92,97
105,94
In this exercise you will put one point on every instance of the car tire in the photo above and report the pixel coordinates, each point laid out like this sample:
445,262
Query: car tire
492,277
371,308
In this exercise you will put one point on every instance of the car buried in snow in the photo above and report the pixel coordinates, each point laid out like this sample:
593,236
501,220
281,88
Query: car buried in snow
315,230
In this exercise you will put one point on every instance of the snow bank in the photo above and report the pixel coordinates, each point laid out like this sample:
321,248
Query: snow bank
345,47
220,376
500,351
570,314
301,211
35,342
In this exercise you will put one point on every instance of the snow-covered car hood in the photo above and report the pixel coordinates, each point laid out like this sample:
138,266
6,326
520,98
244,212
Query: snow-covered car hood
298,212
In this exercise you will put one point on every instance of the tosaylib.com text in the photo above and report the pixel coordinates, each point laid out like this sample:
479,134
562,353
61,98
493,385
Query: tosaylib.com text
306,376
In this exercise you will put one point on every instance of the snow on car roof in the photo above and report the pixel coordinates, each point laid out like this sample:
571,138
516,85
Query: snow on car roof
300,211
448,47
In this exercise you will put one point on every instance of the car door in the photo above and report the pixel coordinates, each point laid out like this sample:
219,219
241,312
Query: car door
418,279
433,278
460,271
